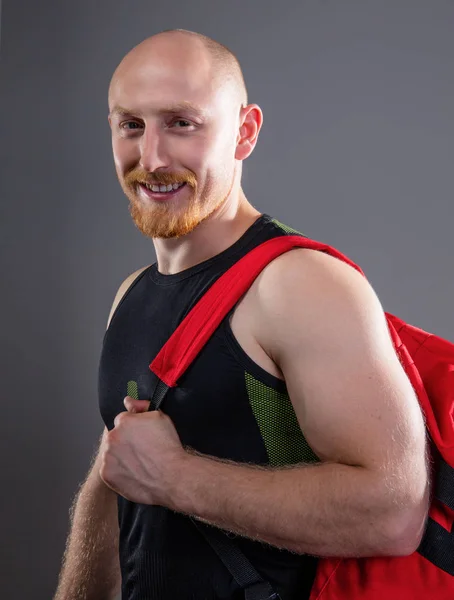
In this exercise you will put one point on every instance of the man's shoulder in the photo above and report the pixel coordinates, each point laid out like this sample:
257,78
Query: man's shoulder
307,293
310,272
124,287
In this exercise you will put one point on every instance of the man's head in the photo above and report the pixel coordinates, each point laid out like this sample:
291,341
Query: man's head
179,115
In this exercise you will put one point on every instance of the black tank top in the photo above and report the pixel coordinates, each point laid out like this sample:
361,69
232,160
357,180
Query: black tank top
225,406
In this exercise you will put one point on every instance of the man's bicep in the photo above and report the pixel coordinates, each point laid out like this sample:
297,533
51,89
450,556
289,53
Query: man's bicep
351,395
356,406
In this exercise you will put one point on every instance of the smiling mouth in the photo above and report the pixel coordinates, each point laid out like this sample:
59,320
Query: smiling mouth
160,192
162,189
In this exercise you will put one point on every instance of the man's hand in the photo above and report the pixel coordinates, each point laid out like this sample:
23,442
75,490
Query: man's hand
142,455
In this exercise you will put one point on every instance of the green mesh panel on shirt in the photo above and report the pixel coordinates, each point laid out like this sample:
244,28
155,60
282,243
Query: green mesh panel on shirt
281,433
133,390
286,228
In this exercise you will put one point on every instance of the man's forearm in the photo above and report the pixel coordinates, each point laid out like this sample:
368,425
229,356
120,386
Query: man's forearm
91,569
325,510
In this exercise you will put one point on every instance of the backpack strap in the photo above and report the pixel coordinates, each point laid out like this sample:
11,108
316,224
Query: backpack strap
254,586
444,488
437,546
200,323
239,567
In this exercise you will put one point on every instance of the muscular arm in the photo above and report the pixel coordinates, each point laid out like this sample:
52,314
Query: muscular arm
324,328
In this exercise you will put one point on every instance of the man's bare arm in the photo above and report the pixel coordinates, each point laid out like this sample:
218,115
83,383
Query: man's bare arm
91,569
323,326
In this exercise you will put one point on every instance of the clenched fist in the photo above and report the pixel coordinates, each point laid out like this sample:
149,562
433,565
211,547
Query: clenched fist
143,455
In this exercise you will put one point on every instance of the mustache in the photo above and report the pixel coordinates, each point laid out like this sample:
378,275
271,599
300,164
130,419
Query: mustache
165,178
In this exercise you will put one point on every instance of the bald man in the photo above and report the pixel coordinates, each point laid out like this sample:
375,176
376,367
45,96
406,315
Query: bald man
296,429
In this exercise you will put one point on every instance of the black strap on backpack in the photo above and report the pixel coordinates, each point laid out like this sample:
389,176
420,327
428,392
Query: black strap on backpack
242,571
437,544
240,568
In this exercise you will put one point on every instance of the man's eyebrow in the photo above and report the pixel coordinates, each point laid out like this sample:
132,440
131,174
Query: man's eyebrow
171,109
119,110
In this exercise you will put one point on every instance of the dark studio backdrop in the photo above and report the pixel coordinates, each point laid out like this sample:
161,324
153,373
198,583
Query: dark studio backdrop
356,150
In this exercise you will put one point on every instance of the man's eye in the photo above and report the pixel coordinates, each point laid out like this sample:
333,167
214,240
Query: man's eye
181,123
130,125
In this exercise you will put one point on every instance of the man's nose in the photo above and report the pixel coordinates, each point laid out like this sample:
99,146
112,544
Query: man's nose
152,151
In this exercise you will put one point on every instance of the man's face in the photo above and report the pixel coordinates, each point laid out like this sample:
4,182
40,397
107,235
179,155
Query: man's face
173,126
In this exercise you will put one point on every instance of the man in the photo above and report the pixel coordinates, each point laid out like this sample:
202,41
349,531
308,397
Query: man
296,428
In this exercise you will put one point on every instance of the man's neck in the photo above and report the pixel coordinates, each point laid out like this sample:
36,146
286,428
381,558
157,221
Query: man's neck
211,237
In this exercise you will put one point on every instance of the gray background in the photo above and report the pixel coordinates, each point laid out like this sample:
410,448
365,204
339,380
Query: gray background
356,150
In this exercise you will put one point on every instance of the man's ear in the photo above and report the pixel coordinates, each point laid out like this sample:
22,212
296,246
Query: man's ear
250,125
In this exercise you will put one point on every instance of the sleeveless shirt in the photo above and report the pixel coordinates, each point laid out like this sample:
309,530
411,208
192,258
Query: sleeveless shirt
224,406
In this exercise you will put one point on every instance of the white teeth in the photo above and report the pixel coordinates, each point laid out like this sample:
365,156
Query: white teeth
163,188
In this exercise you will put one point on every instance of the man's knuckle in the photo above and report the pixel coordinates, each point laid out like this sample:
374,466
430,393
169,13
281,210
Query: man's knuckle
121,418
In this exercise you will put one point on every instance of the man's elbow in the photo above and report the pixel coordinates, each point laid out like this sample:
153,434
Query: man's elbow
404,530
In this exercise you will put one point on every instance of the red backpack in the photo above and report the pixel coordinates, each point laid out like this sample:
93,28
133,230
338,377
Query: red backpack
428,361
